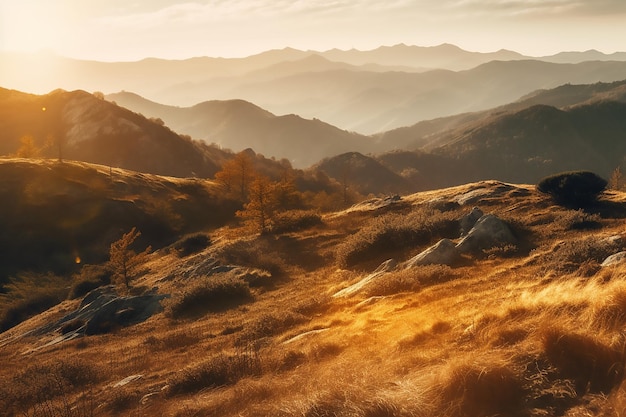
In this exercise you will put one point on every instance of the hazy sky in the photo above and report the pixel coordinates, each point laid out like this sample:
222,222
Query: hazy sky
134,29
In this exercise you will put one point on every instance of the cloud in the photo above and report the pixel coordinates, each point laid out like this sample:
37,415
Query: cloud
537,8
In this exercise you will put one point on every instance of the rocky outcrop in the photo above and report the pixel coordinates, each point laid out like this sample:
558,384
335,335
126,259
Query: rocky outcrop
469,220
103,310
488,232
443,252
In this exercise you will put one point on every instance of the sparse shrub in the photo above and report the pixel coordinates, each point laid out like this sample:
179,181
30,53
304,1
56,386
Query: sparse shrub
291,360
221,370
271,324
176,340
28,295
122,400
326,350
473,390
81,288
574,188
394,232
569,256
503,251
578,220
192,243
295,220
210,294
89,278
433,274
593,365
393,283
38,386
259,253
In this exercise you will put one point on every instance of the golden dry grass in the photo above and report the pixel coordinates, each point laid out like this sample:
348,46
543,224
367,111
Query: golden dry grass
499,336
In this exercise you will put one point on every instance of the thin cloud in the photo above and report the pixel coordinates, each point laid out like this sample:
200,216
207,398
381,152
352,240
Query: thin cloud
538,7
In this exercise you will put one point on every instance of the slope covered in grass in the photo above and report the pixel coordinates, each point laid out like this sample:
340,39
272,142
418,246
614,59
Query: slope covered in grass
533,330
55,215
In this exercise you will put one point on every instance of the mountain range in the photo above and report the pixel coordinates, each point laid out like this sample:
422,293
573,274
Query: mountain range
364,91
567,128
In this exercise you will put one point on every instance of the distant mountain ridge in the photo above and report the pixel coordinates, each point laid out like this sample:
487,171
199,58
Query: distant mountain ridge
237,125
371,102
362,91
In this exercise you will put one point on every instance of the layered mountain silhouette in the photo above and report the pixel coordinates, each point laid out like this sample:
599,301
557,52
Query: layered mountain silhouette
237,125
363,91
567,128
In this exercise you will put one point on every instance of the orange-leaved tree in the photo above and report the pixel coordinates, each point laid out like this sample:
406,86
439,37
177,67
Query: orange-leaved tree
236,175
125,263
261,207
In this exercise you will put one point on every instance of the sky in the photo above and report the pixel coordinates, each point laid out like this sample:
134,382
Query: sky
128,30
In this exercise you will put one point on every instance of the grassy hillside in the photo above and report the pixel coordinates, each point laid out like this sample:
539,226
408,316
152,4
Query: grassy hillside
55,215
529,330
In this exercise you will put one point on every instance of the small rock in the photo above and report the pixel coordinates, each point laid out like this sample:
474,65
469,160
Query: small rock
127,380
387,266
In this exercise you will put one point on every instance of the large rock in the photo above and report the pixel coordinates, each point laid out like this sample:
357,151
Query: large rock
615,259
443,252
103,310
488,232
469,220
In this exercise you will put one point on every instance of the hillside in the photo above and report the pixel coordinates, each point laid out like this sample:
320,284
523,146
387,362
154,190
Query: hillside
355,171
80,126
514,145
56,216
237,124
527,329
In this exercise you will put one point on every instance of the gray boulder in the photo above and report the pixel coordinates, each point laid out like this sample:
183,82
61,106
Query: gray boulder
443,252
488,232
615,259
103,310
469,220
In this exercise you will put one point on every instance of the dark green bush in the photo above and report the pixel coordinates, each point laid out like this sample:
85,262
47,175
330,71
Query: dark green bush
216,293
192,243
574,188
